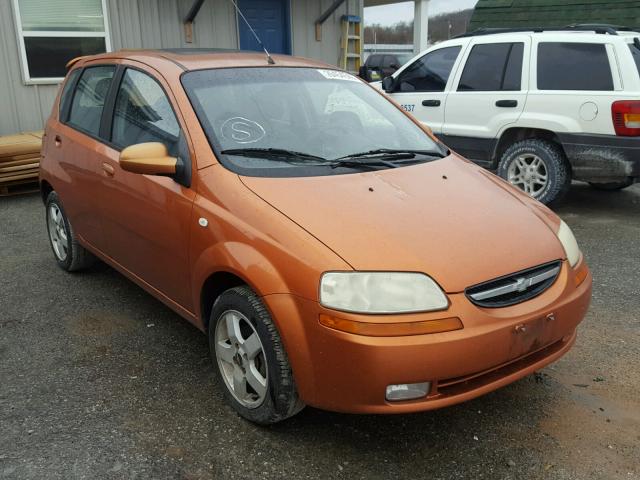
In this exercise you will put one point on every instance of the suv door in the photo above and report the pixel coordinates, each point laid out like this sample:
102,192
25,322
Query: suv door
489,93
76,143
421,87
146,217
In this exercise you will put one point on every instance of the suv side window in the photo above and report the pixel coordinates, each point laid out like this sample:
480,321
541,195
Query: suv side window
143,113
573,66
493,67
88,100
431,72
635,53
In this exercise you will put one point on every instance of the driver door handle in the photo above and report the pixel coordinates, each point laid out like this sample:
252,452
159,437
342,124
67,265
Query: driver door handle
507,103
108,169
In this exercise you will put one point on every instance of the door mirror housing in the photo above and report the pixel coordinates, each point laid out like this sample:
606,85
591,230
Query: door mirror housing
150,158
388,84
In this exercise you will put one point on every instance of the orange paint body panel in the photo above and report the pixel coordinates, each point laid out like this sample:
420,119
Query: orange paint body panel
447,218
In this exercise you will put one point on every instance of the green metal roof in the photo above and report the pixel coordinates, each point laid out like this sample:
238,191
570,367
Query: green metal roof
543,13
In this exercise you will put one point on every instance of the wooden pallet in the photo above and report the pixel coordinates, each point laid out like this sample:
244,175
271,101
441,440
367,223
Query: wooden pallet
19,187
19,163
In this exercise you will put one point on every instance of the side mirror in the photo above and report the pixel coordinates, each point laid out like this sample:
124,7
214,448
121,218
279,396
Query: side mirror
150,158
388,84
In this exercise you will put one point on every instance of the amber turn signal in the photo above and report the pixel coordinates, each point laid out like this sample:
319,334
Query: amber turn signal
581,272
391,329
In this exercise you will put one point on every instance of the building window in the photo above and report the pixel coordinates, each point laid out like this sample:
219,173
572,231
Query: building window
52,32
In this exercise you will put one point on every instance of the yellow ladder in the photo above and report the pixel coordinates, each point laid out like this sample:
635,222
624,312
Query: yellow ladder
351,44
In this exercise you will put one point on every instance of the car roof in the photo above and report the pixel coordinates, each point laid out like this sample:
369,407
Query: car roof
202,58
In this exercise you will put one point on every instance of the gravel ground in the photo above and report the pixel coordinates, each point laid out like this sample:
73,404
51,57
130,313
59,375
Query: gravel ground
100,380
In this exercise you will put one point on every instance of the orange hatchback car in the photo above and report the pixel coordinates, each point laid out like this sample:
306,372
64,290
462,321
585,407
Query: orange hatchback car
333,250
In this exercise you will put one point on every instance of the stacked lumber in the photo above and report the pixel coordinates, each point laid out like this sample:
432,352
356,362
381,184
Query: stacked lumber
19,161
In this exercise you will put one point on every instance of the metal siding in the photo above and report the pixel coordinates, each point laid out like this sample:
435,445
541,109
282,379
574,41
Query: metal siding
157,24
303,16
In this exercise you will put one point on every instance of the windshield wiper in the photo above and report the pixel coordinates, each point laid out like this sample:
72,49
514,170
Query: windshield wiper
392,153
287,155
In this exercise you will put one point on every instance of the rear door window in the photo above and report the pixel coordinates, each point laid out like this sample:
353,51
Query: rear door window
89,97
431,72
574,66
493,67
143,113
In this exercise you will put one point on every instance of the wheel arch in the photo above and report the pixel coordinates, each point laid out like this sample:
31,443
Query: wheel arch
226,265
517,134
45,189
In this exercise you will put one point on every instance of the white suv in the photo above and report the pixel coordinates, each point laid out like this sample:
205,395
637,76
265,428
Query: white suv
540,106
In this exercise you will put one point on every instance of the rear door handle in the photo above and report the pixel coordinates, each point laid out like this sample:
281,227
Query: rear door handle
507,103
431,103
57,140
108,169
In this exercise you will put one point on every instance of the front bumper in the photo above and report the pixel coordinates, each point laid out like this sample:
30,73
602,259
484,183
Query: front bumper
602,158
343,372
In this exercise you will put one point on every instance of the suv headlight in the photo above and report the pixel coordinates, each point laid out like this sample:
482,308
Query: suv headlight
569,243
381,292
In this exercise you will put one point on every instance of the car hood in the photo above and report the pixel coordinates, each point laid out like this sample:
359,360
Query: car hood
448,218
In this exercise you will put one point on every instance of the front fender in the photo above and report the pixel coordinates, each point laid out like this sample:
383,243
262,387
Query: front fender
240,259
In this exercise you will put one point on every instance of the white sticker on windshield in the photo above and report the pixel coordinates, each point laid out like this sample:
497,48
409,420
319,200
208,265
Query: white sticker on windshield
337,75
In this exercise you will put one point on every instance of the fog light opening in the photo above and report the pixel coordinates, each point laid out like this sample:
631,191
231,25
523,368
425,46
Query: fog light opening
407,391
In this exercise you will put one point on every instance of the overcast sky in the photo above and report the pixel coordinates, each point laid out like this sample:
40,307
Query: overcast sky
403,12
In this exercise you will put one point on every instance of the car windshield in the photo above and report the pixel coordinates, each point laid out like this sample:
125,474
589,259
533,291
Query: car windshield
299,121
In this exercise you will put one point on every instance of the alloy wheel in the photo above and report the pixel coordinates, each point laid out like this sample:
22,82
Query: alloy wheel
529,173
241,358
58,232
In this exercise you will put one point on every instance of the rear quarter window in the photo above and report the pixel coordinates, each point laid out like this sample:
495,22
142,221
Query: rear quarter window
635,53
65,96
574,66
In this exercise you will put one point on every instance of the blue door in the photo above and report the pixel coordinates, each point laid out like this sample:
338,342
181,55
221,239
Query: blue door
270,20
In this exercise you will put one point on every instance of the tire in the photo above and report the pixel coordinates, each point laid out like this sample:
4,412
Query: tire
546,157
611,186
277,399
69,254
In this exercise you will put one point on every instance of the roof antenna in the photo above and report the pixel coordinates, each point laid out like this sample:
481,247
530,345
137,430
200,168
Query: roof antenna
269,59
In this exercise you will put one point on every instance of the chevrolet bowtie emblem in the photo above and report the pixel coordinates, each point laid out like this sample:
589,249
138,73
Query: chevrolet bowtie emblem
522,284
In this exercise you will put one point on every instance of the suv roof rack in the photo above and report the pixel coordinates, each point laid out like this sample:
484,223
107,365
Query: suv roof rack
578,27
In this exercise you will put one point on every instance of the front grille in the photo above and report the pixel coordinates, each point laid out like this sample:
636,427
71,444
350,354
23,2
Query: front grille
515,288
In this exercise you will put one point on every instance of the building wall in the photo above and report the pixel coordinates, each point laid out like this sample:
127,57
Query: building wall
157,24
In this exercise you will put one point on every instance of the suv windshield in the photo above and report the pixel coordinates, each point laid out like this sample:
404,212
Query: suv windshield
301,122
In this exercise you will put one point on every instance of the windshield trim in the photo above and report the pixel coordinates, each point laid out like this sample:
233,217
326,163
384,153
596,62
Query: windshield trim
292,170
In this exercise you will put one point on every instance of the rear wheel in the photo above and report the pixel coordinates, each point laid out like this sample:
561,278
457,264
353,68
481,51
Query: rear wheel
613,185
537,167
69,254
250,359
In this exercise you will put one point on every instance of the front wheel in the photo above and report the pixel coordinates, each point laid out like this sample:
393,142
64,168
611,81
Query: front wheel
537,167
251,362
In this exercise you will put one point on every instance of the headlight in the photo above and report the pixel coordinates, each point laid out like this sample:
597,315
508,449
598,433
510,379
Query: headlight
569,243
381,292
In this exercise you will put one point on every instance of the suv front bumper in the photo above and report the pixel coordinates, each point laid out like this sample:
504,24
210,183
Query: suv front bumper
602,158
